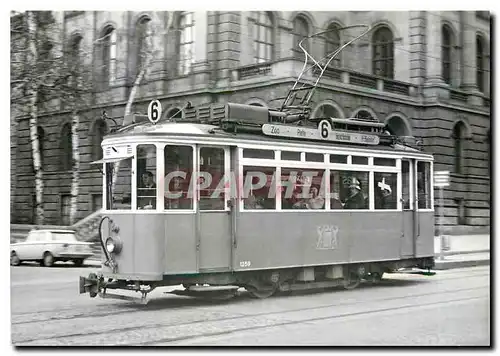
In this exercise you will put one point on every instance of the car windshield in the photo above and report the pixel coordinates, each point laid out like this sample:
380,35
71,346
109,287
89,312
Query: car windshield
63,236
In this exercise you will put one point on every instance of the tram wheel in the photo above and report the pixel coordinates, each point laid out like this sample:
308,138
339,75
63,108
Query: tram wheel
376,277
260,293
352,281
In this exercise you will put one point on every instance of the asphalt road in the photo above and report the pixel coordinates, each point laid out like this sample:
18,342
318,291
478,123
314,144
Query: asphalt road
451,308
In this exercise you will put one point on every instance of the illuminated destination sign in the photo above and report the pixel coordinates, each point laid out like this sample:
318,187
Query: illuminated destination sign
324,132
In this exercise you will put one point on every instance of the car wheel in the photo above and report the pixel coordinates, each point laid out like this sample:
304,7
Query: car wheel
78,262
48,259
14,259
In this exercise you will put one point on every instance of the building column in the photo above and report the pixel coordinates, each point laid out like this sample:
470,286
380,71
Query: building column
434,85
469,83
434,50
417,47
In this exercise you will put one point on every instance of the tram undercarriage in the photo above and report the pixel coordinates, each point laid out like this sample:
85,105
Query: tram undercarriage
259,284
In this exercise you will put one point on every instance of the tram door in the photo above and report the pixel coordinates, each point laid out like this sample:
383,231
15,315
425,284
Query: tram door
410,211
213,215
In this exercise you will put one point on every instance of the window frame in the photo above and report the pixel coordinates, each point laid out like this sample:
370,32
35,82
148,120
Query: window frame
387,56
446,48
256,32
431,185
327,168
480,64
227,176
185,64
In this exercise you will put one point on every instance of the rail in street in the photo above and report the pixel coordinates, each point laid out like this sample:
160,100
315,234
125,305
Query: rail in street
451,308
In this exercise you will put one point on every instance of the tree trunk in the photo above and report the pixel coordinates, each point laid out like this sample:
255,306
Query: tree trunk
75,123
32,94
138,80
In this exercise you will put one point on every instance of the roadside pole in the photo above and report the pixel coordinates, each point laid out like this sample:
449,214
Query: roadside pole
441,180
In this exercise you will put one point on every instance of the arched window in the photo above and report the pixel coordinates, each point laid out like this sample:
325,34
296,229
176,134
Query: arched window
325,111
74,59
364,115
480,63
100,130
458,137
186,43
383,53
446,49
263,36
397,126
66,148
109,55
300,31
174,113
333,43
141,35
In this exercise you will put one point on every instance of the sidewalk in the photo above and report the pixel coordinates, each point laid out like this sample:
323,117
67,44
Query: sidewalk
464,251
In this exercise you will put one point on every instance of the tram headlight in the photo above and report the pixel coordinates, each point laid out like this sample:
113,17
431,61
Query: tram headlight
113,245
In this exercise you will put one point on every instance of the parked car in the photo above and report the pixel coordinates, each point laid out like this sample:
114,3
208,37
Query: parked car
49,246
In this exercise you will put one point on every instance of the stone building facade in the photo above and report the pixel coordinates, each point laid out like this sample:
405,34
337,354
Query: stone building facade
424,73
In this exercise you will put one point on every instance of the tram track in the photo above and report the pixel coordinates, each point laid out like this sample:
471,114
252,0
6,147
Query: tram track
117,309
205,328
346,315
235,318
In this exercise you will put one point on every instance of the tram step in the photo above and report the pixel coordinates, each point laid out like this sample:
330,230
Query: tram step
311,285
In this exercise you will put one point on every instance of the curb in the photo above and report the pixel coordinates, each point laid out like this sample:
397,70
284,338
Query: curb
444,265
452,253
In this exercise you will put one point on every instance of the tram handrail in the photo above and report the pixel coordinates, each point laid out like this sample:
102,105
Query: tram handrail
330,57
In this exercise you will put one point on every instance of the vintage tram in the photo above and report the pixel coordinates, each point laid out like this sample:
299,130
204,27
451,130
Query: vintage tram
269,200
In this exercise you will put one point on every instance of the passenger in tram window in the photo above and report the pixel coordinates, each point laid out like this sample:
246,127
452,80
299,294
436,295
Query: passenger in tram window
316,201
146,192
385,190
335,202
356,198
253,202
382,198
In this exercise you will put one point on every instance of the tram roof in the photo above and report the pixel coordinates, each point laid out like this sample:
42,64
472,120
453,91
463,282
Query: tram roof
207,130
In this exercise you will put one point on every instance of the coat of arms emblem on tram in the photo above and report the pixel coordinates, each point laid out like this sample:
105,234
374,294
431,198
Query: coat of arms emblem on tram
327,237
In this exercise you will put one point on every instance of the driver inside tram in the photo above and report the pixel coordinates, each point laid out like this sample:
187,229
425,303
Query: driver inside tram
146,192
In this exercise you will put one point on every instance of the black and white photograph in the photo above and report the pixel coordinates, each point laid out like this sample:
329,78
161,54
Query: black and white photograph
251,178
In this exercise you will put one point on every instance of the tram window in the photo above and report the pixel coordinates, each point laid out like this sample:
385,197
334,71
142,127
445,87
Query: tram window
146,177
290,156
336,187
178,171
119,185
359,160
405,169
338,159
353,189
424,185
386,190
253,153
315,157
378,161
302,189
259,188
211,180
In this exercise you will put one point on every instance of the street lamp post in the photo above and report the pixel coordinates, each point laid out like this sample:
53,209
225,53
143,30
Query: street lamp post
441,180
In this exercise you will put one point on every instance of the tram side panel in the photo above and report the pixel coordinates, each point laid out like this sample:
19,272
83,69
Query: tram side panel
375,236
142,253
425,238
276,239
179,236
